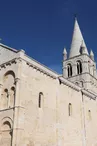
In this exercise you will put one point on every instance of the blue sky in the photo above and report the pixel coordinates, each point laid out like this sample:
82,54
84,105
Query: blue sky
43,27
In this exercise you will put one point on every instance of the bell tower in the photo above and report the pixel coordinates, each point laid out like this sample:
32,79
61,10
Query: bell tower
80,66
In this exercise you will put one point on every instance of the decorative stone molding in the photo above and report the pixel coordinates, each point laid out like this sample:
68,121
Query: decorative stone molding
3,66
8,63
72,85
19,60
6,119
41,70
17,80
89,94
14,61
68,83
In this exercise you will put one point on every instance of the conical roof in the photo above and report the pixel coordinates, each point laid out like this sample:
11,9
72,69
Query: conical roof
77,41
91,53
64,51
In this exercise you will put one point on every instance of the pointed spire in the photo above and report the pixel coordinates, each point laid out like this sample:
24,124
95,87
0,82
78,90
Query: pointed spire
83,49
91,55
77,40
64,54
64,51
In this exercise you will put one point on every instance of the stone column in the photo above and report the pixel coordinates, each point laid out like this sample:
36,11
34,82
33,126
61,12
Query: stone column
65,73
74,69
95,73
8,99
17,92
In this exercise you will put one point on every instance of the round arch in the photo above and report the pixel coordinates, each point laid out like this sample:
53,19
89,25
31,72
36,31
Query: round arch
11,72
6,131
79,59
6,119
70,62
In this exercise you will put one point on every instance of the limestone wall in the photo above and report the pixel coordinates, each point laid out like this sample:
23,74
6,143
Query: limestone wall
51,124
66,117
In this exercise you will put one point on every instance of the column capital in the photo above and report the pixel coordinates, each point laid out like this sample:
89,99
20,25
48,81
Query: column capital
16,80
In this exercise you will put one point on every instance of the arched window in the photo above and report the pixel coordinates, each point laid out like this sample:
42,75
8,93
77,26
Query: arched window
79,67
69,109
6,136
12,96
9,78
40,100
8,89
69,70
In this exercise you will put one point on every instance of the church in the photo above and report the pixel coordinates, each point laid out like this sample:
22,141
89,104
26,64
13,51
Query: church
39,107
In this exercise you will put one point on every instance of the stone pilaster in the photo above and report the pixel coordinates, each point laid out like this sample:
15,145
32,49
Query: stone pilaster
16,129
17,92
74,70
65,73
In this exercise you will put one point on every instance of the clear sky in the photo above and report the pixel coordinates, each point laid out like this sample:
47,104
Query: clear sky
43,27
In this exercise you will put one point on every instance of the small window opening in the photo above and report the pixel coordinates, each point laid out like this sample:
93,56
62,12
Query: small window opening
69,69
70,109
79,67
40,99
6,91
89,114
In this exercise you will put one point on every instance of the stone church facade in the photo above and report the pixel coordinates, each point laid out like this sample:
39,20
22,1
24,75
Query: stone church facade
39,107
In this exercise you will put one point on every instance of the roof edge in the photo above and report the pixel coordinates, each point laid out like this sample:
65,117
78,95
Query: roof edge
9,48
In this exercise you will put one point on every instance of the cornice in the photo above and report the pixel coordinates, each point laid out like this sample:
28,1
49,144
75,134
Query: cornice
85,92
40,67
9,48
89,94
42,70
81,75
11,108
68,83
8,63
77,56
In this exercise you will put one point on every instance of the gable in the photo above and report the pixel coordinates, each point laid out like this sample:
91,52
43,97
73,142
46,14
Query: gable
6,53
